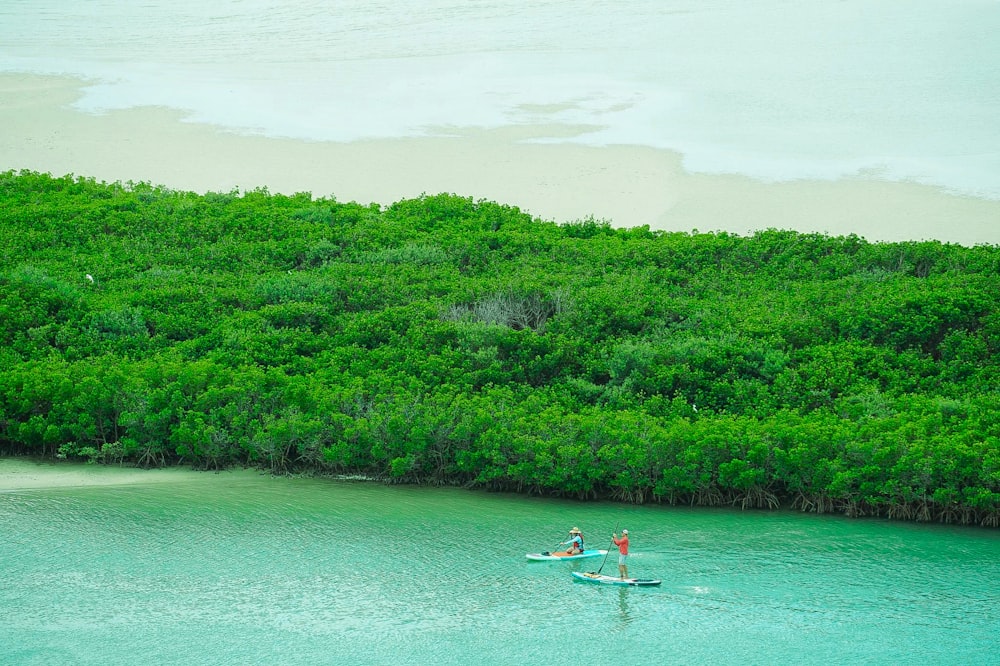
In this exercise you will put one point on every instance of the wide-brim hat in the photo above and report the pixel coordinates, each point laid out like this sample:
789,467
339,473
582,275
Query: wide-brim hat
575,530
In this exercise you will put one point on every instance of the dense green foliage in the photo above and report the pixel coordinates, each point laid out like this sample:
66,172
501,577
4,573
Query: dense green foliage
442,340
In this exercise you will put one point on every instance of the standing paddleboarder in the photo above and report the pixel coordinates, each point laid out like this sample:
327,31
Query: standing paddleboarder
622,552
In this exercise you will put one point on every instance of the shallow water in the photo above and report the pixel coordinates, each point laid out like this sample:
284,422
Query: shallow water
243,568
778,90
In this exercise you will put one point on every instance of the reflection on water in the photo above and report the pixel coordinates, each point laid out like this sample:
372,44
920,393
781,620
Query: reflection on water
243,569
623,606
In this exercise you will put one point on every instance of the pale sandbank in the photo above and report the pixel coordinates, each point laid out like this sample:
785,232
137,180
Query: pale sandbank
563,182
18,474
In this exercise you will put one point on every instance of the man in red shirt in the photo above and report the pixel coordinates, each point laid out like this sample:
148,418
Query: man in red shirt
622,552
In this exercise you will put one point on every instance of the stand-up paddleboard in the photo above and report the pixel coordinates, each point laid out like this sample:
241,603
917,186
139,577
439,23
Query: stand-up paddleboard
538,557
591,577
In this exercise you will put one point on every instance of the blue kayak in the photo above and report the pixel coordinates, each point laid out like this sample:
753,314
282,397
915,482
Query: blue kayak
564,556
592,577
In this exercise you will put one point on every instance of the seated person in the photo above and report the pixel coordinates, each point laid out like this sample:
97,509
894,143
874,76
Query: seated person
575,542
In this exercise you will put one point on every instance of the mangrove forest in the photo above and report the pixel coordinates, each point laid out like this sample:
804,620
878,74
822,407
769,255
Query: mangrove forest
442,340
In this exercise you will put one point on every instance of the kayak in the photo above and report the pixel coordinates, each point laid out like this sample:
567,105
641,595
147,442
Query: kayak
546,556
591,577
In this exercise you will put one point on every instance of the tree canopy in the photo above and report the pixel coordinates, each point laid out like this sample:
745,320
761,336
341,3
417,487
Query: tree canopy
450,341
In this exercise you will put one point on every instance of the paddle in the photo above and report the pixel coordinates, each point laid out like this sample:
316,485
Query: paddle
555,549
609,550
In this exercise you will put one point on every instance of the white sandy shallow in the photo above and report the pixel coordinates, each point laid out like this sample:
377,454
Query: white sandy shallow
627,185
27,474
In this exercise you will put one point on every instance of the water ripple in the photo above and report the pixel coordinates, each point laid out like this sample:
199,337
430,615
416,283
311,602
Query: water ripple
245,570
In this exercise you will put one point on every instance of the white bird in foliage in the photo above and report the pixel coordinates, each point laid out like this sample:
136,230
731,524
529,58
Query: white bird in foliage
90,277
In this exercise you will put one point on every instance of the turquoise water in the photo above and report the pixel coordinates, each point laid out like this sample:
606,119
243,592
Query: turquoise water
778,90
242,568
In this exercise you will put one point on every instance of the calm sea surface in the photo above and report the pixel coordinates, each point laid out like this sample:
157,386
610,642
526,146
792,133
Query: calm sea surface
240,568
896,89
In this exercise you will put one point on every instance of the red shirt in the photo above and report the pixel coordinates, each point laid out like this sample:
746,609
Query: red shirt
622,544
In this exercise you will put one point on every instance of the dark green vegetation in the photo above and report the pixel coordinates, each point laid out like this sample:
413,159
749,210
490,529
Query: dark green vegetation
442,340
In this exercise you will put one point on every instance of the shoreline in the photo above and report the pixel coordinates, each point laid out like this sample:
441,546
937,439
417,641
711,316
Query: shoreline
628,186
30,473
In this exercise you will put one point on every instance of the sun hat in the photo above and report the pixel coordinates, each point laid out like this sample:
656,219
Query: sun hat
575,530
624,531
